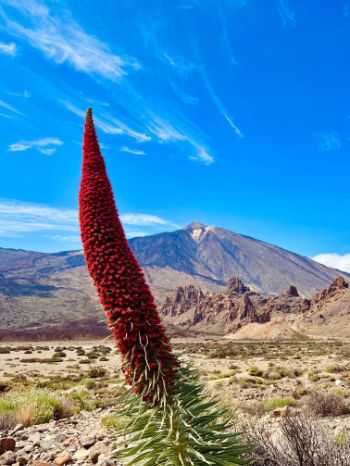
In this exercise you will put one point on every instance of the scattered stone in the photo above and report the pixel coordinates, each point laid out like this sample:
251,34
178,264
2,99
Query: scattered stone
42,463
7,458
48,443
7,444
42,427
70,441
47,456
96,450
63,458
34,438
81,454
87,442
21,460
17,428
105,462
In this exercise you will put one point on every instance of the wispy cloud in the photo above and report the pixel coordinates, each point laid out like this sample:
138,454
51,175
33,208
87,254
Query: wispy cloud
9,107
287,14
60,38
143,219
132,151
219,105
180,65
66,238
166,132
337,261
5,115
25,94
8,49
328,141
19,218
110,125
184,96
135,234
225,40
42,145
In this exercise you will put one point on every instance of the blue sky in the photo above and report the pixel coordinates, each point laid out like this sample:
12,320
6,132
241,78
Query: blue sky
235,113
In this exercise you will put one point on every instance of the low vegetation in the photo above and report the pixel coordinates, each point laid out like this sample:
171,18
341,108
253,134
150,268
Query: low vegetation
299,441
287,384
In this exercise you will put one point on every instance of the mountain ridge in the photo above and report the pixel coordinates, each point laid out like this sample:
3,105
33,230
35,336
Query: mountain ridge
49,290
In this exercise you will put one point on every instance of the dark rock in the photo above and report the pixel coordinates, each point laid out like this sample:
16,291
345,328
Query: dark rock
235,285
293,291
7,444
87,442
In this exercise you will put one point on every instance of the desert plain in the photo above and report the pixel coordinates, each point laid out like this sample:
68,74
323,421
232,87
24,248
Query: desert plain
60,401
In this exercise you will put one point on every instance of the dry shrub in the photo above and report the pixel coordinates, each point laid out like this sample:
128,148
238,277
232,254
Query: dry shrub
299,441
327,404
97,372
25,416
7,421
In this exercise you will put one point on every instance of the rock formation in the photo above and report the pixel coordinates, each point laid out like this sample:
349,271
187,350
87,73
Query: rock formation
226,312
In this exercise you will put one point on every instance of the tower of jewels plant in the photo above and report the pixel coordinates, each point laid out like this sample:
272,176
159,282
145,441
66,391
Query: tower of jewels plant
170,421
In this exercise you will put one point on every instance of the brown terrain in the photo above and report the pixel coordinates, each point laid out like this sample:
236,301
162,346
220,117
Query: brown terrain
50,296
60,402
241,313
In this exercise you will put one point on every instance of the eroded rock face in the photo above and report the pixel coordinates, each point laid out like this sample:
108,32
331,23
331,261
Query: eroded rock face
181,300
226,312
335,290
235,285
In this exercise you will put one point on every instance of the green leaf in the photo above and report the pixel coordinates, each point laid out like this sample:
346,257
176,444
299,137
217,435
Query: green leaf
191,430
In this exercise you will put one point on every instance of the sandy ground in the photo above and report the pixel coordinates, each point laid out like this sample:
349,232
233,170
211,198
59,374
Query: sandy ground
20,361
241,371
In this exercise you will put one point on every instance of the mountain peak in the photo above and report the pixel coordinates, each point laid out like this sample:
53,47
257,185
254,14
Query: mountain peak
196,229
195,226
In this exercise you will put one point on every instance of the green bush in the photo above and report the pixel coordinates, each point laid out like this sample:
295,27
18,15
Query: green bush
276,403
32,407
89,384
255,371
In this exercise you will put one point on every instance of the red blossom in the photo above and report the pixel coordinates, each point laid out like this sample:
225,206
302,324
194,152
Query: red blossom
148,362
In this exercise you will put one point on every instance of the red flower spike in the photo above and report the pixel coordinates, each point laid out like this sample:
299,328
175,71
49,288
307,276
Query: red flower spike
148,362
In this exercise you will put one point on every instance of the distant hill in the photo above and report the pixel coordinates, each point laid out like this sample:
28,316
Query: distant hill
214,255
42,292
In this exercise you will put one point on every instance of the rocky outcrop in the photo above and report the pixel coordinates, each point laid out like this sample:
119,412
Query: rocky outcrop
293,291
235,285
289,302
226,312
335,290
181,300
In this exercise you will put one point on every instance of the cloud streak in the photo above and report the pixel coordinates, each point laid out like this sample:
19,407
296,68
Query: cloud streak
219,104
8,49
337,261
110,125
18,218
166,132
63,40
143,219
46,146
24,94
132,151
9,108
